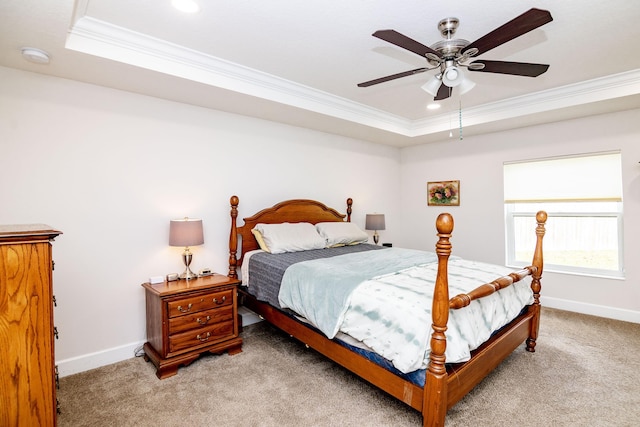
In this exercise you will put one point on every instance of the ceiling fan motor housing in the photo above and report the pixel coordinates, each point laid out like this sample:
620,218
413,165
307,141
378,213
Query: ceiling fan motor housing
448,49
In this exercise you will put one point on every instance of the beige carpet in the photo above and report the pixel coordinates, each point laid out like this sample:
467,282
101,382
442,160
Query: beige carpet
585,372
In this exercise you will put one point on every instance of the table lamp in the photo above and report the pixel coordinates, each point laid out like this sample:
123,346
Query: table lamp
374,222
186,232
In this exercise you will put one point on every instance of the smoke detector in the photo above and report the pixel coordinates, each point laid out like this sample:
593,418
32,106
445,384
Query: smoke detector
32,54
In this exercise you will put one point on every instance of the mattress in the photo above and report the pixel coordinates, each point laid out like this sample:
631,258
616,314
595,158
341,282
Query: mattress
346,300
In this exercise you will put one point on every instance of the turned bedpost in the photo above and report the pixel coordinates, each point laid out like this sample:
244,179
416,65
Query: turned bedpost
233,238
349,204
434,407
538,263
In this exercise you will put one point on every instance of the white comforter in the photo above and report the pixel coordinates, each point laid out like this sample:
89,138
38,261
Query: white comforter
391,312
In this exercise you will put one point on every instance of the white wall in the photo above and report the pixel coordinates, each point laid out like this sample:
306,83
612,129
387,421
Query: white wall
110,169
479,226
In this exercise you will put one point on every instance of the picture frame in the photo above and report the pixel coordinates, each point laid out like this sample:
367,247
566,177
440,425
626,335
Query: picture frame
443,193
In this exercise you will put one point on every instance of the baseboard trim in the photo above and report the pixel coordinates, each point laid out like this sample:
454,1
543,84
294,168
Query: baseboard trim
90,361
591,309
95,360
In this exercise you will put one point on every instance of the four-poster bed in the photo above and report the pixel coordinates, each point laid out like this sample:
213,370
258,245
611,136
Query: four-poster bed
444,383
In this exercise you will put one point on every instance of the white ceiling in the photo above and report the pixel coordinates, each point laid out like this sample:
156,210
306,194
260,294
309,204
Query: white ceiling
298,62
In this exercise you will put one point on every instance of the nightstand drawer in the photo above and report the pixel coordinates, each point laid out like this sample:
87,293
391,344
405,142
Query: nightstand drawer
204,336
198,303
200,319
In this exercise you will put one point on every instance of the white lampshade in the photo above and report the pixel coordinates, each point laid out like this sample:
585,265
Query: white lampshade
432,85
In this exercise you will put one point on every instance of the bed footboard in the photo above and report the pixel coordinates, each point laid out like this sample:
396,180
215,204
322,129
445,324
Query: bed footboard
524,328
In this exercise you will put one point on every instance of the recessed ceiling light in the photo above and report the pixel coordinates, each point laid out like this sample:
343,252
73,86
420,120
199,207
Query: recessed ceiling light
433,106
187,6
32,54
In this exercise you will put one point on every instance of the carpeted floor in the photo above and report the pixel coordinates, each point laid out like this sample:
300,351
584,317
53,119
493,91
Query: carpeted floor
585,372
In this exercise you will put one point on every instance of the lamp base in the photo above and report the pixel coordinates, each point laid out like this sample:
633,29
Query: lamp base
376,237
188,274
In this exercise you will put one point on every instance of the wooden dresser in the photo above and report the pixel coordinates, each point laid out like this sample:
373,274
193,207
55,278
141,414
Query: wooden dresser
27,362
186,318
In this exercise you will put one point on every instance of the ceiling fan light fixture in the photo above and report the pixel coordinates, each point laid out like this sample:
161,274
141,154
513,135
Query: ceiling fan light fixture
432,85
452,76
465,86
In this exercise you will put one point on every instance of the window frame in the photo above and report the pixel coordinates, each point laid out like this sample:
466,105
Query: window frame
510,254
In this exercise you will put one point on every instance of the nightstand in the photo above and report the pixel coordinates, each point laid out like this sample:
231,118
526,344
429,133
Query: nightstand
186,318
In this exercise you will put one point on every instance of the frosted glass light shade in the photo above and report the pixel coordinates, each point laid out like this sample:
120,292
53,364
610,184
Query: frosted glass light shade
432,85
466,85
452,76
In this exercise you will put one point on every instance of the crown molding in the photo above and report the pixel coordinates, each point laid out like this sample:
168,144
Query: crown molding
587,92
103,39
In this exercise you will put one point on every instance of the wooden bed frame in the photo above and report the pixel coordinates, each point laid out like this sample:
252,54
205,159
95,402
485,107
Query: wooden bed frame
445,384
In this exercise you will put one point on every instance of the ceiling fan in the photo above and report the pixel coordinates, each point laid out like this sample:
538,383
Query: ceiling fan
450,55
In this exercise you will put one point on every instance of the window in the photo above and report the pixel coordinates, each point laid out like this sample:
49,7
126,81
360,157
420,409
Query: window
583,197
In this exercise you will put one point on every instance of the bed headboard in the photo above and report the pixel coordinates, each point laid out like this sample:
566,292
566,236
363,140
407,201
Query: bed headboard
296,210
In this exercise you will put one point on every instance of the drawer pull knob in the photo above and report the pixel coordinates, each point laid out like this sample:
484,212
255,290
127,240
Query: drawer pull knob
203,322
205,338
184,310
224,298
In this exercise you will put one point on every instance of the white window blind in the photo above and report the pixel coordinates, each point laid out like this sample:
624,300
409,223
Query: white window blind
594,177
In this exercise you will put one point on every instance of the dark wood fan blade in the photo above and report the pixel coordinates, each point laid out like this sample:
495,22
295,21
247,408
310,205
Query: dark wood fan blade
394,37
443,93
518,26
392,77
515,68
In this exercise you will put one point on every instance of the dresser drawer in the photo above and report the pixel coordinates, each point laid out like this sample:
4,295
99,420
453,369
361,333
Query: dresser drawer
200,319
203,336
201,302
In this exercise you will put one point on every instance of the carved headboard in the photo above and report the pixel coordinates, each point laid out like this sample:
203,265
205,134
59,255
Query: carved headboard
296,210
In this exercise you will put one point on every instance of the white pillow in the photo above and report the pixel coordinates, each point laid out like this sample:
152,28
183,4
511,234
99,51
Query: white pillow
290,237
341,233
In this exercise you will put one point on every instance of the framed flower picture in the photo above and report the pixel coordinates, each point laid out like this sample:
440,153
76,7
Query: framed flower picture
443,193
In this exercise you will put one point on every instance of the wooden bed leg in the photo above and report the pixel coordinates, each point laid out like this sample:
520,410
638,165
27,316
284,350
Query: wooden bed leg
434,407
538,263
233,238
